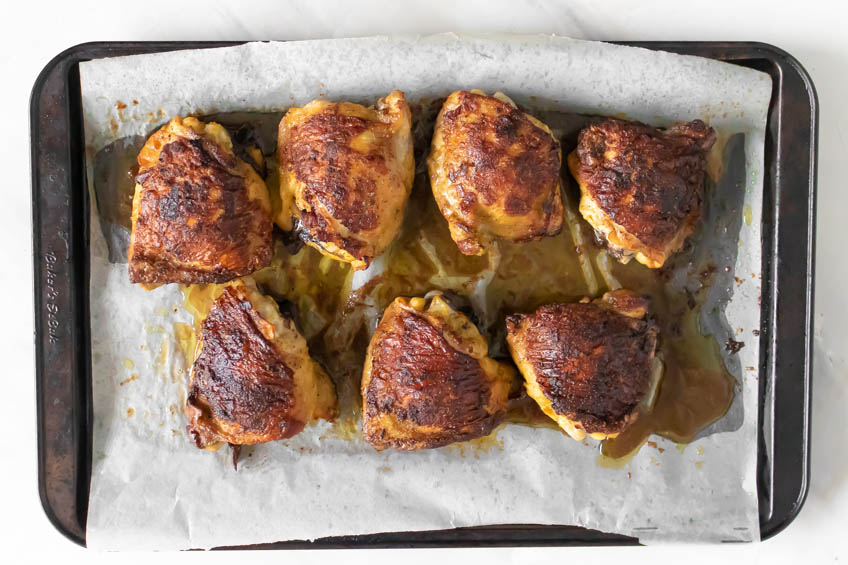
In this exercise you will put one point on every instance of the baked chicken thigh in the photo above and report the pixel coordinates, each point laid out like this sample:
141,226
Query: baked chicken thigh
427,380
642,187
494,171
200,214
253,380
588,365
346,172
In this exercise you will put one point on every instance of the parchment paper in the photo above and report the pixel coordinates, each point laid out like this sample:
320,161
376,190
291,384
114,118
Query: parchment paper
151,488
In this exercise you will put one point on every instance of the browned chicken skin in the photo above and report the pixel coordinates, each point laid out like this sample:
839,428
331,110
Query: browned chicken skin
495,172
642,187
428,381
346,172
253,380
200,214
588,365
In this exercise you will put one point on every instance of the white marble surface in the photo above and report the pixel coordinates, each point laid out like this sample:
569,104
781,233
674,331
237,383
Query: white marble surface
33,32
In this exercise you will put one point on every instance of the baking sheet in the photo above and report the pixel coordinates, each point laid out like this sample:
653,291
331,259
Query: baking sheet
152,489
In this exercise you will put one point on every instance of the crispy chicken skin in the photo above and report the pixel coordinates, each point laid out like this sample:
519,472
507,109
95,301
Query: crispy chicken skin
427,380
588,365
346,172
495,172
641,187
253,380
200,214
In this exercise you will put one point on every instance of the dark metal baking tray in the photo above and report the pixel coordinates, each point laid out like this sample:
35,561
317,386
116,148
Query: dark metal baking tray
60,206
